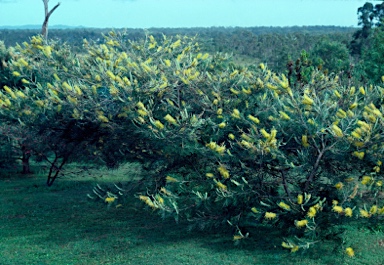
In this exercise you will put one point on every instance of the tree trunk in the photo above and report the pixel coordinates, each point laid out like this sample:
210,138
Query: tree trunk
25,160
44,29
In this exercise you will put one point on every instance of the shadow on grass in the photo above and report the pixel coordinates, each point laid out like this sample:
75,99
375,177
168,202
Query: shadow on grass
59,225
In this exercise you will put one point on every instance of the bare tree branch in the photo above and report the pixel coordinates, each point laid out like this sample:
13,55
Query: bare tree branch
44,30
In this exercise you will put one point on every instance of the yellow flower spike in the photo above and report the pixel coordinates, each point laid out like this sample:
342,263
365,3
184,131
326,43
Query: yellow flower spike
254,210
205,56
159,199
364,125
247,91
352,91
170,179
211,145
236,114
356,135
158,124
301,224
295,248
246,144
307,100
237,237
223,171
219,111
140,105
311,121
102,118
348,212
304,141
353,105
284,206
373,209
300,199
335,202
337,94
167,63
350,252
221,186
311,212
286,245
111,75
254,119
270,216
379,183
265,134
262,66
109,200
246,137
47,50
337,209
67,86
231,136
23,62
381,211
15,73
78,90
339,185
209,175
7,102
148,201
364,213
142,112
359,155
284,116
336,130
76,114
222,125
72,100
234,73
341,114
366,180
10,92
170,119
220,149
362,90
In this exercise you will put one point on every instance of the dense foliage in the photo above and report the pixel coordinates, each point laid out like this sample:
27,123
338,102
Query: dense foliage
226,143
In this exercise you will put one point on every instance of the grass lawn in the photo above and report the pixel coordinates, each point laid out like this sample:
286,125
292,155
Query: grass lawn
61,225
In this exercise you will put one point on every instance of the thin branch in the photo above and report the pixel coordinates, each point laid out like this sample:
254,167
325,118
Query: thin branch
285,184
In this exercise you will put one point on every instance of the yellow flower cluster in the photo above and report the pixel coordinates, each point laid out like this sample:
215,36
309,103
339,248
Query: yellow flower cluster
270,215
220,185
290,246
339,185
170,179
215,147
109,200
148,201
301,223
284,206
312,212
170,119
223,171
350,252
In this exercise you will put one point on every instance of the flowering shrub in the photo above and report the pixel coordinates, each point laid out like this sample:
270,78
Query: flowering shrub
225,143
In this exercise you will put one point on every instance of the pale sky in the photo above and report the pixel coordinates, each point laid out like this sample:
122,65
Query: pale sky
182,13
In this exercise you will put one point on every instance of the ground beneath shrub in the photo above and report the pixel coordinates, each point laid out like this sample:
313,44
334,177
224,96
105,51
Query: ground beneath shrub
61,225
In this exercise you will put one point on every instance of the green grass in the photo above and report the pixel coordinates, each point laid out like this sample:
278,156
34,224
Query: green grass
60,225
